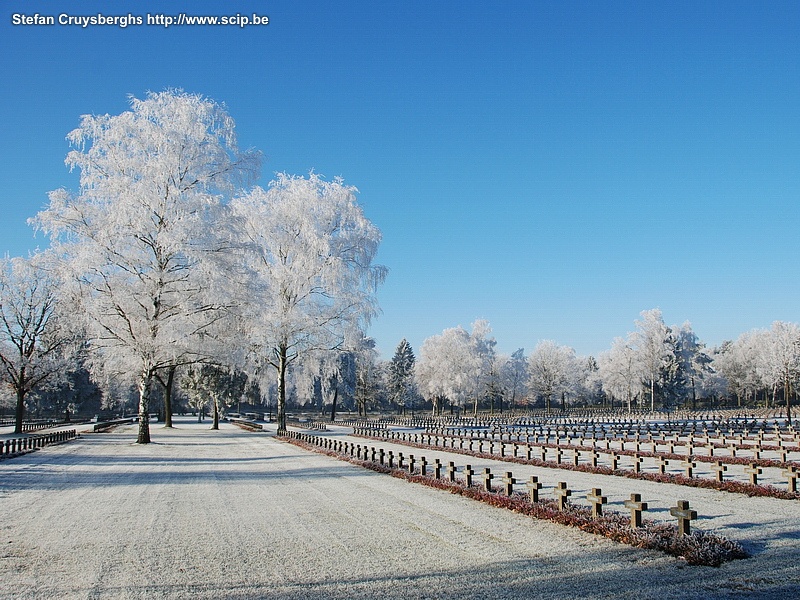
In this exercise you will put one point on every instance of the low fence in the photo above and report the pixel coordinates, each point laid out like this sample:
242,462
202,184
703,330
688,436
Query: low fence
18,446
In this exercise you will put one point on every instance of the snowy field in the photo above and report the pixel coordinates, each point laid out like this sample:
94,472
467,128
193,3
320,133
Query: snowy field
234,514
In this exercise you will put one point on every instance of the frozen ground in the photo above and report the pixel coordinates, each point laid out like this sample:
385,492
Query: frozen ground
233,514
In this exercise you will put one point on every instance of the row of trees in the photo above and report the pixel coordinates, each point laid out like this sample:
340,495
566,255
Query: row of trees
167,258
168,271
655,366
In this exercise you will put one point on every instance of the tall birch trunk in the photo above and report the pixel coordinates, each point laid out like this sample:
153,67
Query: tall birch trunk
145,389
282,364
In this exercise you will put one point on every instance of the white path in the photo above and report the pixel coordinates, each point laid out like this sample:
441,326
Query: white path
232,514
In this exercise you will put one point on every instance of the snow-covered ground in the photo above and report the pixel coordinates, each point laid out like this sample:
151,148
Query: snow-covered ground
234,514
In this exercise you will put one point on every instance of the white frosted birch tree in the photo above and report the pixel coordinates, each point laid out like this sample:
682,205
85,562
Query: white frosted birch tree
308,250
550,370
34,343
780,359
138,234
456,365
653,350
619,372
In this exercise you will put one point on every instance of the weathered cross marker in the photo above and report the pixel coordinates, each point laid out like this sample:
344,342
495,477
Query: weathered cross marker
562,493
754,471
423,466
791,473
437,468
595,455
400,461
597,499
636,507
689,465
719,469
381,454
487,479
576,456
533,488
451,471
411,462
508,483
614,461
468,473
637,463
559,454
543,452
663,463
684,514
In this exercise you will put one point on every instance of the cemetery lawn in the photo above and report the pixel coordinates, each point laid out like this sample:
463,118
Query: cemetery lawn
235,514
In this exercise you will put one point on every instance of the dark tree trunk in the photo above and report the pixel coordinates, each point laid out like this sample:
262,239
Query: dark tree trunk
215,424
168,396
167,387
333,406
19,413
282,353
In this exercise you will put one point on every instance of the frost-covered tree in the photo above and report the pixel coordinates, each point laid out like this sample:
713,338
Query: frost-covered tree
455,365
652,347
214,385
35,345
550,370
139,234
514,374
780,359
401,375
693,362
367,374
737,363
619,371
308,250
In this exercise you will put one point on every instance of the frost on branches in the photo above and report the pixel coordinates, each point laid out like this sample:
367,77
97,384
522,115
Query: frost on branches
308,250
137,235
35,345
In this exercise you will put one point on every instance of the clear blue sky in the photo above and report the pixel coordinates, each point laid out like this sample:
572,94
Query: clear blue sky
552,167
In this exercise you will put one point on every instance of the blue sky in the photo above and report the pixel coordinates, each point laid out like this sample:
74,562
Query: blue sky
552,167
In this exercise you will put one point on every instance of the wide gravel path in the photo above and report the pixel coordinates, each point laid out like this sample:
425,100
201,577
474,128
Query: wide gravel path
233,514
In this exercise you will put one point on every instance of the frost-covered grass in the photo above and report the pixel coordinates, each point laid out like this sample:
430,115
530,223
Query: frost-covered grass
698,548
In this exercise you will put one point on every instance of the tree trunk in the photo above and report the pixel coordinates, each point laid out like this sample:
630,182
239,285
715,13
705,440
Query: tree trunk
652,395
19,413
786,395
215,424
282,363
145,388
168,396
335,399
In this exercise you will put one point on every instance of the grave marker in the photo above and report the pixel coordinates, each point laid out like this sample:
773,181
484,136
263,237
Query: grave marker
754,471
508,483
597,499
719,469
533,488
636,507
468,473
562,493
487,479
685,516
791,473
